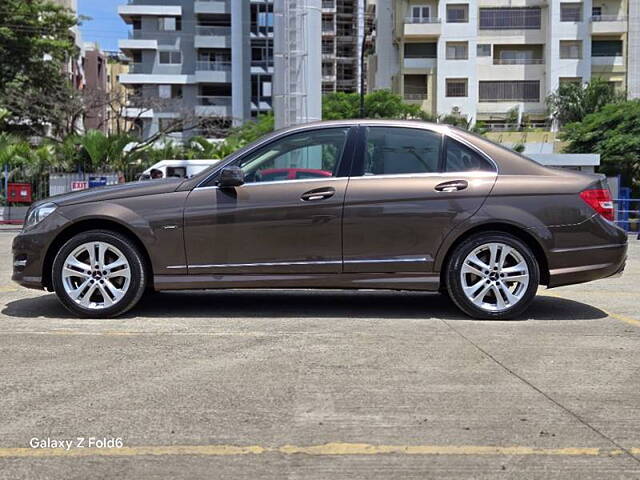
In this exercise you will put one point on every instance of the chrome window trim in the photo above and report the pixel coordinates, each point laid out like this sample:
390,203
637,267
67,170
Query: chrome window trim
277,182
475,173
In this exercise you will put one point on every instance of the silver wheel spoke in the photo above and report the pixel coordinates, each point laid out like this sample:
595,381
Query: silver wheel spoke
494,276
102,250
468,268
476,261
86,299
493,252
89,278
478,299
75,293
498,294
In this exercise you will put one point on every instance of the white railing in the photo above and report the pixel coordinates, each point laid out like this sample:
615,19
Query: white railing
213,66
518,61
608,18
207,31
422,20
135,67
415,96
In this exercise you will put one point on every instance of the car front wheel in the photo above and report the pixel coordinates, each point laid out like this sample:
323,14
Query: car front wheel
493,275
99,274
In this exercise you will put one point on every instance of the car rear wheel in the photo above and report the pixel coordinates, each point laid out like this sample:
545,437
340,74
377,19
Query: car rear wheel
493,275
99,274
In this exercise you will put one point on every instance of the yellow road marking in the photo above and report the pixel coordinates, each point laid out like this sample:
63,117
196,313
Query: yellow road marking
8,289
622,318
327,449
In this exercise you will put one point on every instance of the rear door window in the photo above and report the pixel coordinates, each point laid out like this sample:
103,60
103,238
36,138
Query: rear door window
398,150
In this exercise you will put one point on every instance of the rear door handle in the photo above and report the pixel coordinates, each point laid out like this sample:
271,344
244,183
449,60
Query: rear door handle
318,194
453,186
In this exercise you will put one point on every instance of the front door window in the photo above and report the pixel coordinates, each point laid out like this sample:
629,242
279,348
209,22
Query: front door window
313,154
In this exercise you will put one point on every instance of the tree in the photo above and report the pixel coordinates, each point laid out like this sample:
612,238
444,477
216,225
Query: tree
614,133
35,46
377,104
573,101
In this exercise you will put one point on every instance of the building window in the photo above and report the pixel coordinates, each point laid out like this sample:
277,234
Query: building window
170,58
570,12
457,87
457,50
510,91
420,14
596,13
458,13
484,49
606,48
510,18
169,91
415,87
570,49
169,24
420,50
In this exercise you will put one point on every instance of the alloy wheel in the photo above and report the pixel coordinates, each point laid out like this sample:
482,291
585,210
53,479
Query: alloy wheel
494,277
96,275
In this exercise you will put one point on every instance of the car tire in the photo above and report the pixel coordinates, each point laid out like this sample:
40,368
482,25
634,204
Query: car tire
114,283
490,290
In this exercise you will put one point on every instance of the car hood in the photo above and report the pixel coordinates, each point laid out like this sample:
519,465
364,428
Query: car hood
131,189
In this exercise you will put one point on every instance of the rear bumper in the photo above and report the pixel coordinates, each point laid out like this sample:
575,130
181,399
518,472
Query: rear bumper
604,262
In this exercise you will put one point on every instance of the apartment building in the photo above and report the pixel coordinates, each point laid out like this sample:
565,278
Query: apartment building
202,58
497,60
342,31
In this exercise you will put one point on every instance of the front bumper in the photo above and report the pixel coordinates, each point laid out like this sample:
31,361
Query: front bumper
30,249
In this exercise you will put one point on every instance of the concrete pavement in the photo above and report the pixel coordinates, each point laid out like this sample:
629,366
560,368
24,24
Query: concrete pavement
307,384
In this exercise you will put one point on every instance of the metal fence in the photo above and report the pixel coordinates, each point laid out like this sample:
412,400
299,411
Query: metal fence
56,182
627,213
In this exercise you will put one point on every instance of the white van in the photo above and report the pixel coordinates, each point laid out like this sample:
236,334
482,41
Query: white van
178,168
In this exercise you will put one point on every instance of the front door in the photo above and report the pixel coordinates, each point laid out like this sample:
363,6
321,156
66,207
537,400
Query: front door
278,221
409,188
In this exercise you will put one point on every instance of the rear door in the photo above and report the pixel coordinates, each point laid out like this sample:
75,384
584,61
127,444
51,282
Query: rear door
409,187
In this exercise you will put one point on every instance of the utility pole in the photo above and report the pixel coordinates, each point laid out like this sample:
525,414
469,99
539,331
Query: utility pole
362,56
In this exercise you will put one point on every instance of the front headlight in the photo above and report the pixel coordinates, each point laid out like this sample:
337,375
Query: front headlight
38,214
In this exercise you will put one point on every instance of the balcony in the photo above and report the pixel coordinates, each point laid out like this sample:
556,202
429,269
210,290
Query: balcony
420,63
213,72
608,24
210,106
131,44
211,7
128,12
419,27
213,37
608,64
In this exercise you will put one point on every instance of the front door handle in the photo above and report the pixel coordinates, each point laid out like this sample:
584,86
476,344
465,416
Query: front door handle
318,194
453,186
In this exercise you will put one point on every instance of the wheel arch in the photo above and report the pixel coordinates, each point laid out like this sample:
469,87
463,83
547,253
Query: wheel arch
521,233
84,226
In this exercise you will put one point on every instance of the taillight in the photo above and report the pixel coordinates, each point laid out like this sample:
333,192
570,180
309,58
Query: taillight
600,200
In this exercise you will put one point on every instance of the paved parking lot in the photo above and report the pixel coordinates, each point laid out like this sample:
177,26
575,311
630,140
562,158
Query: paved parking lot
320,385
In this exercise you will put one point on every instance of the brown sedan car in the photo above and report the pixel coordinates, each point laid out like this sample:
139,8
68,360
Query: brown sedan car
408,206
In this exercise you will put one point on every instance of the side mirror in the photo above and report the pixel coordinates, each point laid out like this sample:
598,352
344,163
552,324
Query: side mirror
230,177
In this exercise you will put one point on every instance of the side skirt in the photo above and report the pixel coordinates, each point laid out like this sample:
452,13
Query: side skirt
383,281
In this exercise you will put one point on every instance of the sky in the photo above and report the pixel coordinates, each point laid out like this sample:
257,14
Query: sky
105,27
